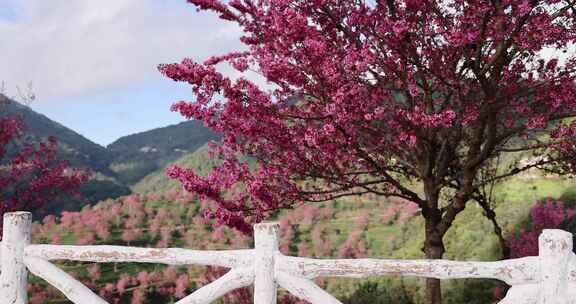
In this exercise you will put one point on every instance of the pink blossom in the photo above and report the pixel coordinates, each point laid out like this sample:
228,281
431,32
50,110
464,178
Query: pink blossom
548,214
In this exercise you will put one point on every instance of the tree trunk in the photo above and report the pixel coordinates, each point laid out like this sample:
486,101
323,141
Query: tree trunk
434,249
433,292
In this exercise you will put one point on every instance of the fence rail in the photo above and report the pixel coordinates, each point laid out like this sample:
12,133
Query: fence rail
549,278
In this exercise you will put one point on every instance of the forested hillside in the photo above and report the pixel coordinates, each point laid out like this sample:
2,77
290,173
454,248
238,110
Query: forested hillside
115,168
347,228
137,155
336,229
158,181
78,150
72,147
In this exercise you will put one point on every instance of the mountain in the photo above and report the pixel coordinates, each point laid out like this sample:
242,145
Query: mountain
120,165
200,161
76,149
135,156
157,181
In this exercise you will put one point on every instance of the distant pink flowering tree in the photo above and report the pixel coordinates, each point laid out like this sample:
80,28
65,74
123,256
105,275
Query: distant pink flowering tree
549,214
370,97
32,175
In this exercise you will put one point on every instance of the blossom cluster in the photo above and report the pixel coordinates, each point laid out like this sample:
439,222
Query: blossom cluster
175,219
548,214
31,174
362,93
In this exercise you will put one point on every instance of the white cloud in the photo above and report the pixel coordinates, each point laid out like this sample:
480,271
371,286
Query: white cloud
75,47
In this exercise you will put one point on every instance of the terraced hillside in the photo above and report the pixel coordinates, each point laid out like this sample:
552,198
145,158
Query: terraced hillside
351,228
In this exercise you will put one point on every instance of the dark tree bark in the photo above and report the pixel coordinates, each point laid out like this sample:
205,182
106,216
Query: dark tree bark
434,249
433,242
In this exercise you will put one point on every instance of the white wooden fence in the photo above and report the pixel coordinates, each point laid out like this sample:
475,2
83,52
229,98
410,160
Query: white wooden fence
549,278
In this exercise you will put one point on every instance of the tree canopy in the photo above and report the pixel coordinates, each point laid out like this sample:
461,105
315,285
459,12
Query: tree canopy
380,97
31,174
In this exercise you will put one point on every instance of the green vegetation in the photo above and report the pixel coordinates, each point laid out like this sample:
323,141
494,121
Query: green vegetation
117,167
322,230
325,230
156,181
138,155
471,237
75,148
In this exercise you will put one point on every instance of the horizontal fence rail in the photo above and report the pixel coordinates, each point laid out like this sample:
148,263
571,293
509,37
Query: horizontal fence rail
549,278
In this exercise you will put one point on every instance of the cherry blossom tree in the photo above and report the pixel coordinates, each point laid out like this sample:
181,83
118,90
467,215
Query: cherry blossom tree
32,174
379,97
548,214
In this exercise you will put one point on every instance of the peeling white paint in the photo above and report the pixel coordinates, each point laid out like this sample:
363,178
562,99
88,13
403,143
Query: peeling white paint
17,229
70,287
234,279
117,254
266,248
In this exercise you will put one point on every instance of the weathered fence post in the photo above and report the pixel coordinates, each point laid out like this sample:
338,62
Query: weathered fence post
555,250
16,236
266,246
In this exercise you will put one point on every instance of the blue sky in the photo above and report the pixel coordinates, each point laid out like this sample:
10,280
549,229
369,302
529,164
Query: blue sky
104,116
7,12
92,64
